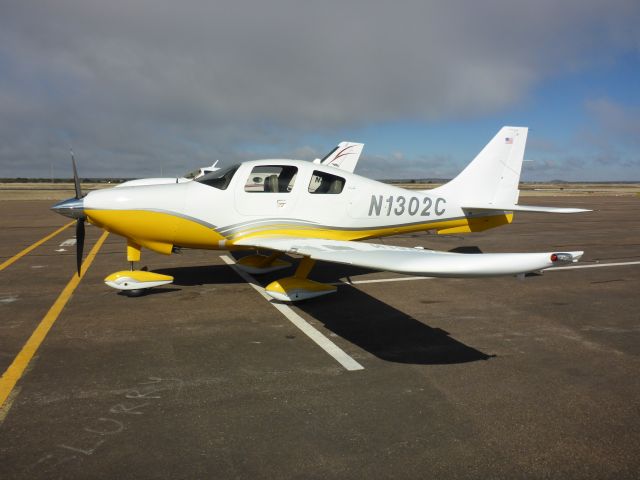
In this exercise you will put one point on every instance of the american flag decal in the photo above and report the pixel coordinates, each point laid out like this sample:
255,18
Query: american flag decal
508,140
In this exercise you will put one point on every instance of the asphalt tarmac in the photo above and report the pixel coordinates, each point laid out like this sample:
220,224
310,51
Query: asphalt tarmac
204,378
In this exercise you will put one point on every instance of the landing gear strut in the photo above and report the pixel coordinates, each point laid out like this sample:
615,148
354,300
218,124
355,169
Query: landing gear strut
258,264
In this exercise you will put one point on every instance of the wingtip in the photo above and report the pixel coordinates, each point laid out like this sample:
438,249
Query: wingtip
572,257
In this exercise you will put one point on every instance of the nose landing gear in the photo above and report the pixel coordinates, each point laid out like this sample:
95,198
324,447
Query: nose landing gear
135,282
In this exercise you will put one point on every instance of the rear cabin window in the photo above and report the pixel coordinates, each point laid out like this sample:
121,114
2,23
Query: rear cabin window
271,179
322,182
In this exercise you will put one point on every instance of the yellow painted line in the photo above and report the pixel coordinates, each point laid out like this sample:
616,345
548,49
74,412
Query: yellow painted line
31,247
18,366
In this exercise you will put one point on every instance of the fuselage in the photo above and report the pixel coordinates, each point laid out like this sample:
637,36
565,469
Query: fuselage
142,182
299,199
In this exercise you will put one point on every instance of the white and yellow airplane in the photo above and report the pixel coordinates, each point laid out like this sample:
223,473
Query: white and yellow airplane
319,212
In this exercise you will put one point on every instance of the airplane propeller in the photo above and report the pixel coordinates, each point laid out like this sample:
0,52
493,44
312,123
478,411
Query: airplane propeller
79,243
80,221
76,180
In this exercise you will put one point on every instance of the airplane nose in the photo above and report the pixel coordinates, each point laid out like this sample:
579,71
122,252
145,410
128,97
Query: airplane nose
72,208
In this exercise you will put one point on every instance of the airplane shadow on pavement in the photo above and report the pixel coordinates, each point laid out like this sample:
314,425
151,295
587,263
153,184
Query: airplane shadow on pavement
357,317
200,275
379,328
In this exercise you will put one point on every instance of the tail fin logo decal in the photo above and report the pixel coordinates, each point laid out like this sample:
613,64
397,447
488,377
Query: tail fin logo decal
341,153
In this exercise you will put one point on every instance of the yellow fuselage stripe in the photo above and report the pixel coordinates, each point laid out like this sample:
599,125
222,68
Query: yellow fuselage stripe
160,231
471,224
18,366
35,245
157,231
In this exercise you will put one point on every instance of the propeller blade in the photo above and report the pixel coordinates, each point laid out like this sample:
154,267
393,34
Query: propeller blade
79,243
76,180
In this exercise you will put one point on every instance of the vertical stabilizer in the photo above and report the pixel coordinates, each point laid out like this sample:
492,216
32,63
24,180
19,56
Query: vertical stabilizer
492,177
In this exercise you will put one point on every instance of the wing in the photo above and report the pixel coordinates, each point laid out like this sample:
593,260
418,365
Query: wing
414,261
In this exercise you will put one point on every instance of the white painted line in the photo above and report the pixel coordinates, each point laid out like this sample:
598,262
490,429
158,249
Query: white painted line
593,265
380,280
68,243
323,342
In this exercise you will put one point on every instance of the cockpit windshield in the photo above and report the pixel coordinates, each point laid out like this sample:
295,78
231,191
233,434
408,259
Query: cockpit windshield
193,174
219,179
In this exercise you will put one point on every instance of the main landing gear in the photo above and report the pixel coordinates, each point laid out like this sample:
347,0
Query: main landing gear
288,289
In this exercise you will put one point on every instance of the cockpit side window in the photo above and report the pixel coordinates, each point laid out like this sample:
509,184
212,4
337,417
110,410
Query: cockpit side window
219,179
271,179
323,182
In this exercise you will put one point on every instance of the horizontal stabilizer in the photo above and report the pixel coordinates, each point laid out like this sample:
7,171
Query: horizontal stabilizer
525,208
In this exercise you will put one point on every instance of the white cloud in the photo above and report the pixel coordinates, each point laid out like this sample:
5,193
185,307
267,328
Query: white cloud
136,83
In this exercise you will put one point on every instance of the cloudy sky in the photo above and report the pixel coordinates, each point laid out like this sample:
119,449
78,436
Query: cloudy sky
143,87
